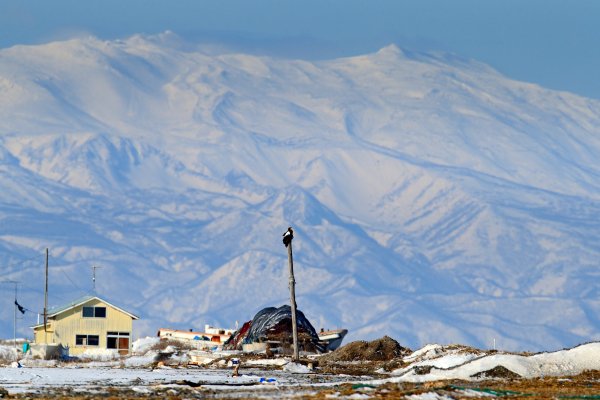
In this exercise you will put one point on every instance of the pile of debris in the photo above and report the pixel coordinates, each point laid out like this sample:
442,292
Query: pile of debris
384,349
361,357
271,330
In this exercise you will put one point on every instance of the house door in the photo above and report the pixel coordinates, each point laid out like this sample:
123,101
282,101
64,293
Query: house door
123,346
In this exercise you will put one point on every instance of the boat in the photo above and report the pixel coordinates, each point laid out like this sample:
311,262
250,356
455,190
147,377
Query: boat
332,339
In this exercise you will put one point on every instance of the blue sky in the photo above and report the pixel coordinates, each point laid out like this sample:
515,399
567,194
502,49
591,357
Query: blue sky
555,43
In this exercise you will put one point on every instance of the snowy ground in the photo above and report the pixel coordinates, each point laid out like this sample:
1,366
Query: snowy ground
84,379
282,378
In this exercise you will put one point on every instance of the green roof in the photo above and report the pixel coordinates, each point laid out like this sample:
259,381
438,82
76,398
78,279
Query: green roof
59,309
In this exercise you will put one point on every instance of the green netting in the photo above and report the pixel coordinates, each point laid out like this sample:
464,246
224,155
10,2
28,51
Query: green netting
495,392
363,385
505,393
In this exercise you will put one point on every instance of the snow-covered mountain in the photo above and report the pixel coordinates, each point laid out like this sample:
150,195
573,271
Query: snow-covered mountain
433,199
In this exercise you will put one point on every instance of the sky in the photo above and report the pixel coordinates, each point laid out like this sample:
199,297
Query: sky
555,43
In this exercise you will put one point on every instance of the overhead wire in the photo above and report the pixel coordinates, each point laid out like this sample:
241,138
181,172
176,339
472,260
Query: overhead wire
15,264
54,295
74,284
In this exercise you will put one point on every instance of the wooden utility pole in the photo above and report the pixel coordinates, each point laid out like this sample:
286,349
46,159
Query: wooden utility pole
46,302
293,295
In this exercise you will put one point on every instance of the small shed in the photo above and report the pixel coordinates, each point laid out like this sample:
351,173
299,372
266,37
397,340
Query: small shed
88,323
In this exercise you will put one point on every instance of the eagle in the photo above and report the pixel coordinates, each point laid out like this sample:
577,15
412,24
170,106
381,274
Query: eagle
288,236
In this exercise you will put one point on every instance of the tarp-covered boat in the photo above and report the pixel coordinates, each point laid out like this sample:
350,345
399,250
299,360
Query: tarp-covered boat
273,326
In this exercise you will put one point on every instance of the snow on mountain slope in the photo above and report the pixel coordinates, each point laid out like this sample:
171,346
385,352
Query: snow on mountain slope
433,199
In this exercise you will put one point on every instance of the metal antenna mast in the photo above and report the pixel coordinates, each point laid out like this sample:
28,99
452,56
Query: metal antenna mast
94,267
15,312
15,316
46,303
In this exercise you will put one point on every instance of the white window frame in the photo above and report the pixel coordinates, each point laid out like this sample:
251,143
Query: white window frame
86,340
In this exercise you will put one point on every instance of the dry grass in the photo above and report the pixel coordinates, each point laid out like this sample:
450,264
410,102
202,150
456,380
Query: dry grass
6,357
4,360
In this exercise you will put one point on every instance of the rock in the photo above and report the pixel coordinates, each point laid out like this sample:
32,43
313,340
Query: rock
422,369
498,371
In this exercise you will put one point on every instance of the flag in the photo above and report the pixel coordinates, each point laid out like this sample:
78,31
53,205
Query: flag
20,307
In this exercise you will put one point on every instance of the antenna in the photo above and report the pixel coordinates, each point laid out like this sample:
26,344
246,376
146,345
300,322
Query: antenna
46,303
94,267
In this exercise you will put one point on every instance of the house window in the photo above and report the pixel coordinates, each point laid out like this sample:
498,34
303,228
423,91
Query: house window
94,312
87,340
118,341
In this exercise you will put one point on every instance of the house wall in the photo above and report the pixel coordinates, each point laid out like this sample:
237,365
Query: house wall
65,326
40,336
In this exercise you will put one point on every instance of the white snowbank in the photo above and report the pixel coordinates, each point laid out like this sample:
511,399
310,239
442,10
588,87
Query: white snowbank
143,345
141,360
180,358
474,393
7,353
267,362
424,352
428,396
442,356
100,355
295,368
560,363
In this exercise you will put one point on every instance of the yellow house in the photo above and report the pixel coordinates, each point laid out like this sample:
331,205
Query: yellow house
86,324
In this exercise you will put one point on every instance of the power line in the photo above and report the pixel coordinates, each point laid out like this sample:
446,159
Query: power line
74,284
52,268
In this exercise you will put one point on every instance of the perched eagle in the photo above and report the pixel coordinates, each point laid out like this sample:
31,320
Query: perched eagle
288,236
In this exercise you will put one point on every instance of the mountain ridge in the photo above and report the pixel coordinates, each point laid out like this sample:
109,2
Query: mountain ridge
433,199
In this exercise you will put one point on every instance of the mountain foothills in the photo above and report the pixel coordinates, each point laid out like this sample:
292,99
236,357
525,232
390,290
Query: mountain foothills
432,198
